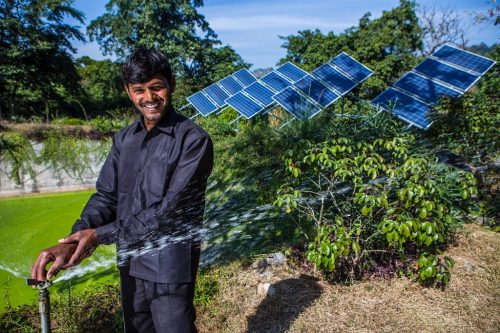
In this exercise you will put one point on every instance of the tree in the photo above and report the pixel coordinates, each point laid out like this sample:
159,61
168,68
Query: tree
35,54
173,27
101,83
441,26
387,45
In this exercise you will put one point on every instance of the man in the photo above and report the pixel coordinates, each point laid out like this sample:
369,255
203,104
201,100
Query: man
149,200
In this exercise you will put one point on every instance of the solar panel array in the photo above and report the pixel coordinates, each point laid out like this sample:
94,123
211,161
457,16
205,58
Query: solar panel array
448,71
311,93
302,94
214,97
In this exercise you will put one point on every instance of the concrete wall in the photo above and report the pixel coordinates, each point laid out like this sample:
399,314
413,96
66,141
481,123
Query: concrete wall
47,178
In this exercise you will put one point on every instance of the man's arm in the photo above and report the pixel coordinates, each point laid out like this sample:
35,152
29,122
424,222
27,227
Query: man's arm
99,210
185,193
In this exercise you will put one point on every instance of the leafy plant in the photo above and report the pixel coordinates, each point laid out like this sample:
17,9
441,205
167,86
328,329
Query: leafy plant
370,202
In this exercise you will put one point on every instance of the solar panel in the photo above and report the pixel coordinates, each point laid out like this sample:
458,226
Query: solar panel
244,105
404,106
217,94
448,74
244,77
275,81
291,71
202,104
258,91
426,89
316,90
464,59
298,105
334,78
351,67
231,85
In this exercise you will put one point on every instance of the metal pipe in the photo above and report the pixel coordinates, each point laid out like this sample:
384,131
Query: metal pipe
43,302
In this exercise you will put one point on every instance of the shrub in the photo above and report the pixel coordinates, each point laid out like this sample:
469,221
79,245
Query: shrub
366,203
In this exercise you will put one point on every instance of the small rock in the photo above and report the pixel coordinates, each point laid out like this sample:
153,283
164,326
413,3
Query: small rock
276,259
260,266
469,267
266,289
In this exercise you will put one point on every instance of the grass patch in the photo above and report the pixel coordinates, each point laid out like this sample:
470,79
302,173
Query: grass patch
30,224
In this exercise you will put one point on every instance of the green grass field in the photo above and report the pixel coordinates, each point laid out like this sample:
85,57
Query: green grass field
31,223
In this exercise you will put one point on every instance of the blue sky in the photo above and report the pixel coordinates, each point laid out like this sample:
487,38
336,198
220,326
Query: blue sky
253,27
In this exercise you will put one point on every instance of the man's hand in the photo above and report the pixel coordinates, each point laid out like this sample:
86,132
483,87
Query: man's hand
59,254
86,241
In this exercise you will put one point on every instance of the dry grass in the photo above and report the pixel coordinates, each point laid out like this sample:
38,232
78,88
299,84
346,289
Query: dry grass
471,303
36,131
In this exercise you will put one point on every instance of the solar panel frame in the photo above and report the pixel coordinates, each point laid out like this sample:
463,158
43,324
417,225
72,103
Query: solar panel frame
440,71
427,90
346,64
317,91
202,103
290,95
275,81
404,106
464,59
332,77
217,94
244,77
291,71
230,84
244,105
260,92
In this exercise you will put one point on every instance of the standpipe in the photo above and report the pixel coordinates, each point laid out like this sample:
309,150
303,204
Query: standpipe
43,302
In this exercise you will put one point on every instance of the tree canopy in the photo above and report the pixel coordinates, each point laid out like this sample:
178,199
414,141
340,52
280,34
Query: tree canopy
173,27
36,66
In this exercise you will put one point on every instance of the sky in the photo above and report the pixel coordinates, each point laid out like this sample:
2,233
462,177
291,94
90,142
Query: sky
253,27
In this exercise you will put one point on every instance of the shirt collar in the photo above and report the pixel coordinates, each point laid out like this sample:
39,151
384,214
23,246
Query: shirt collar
166,124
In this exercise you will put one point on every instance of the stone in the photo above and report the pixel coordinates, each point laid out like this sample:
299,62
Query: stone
266,289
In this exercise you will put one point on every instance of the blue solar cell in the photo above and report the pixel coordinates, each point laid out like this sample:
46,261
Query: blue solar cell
217,94
353,68
316,90
202,104
334,78
231,85
404,106
244,105
258,91
244,77
448,74
275,81
464,59
292,72
424,88
298,105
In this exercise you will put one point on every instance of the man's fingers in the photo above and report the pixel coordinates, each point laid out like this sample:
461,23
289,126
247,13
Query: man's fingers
42,261
70,239
55,267
75,258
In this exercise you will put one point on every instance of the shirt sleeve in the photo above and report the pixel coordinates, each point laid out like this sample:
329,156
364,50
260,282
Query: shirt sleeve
101,207
181,207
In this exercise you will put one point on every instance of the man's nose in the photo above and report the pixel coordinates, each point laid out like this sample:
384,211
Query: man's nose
149,95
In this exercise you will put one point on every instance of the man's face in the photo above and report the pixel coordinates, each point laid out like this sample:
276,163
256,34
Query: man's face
151,98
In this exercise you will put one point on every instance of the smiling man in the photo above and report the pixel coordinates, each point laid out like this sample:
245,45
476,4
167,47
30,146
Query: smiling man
149,200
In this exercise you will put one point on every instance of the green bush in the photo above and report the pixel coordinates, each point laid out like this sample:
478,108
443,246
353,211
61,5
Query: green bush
108,125
68,121
362,204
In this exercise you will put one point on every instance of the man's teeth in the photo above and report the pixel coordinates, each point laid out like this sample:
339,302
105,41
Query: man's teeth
151,105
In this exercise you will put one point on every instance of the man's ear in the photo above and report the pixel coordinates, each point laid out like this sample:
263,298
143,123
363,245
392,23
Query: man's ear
172,84
127,90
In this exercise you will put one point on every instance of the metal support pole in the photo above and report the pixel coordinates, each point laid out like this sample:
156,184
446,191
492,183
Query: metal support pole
343,104
43,302
196,115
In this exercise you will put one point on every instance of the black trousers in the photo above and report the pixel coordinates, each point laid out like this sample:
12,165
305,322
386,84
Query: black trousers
150,307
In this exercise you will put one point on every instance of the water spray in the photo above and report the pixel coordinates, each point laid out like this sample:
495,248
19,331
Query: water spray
43,302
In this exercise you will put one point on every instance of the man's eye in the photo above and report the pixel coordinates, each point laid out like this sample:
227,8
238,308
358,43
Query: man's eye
138,91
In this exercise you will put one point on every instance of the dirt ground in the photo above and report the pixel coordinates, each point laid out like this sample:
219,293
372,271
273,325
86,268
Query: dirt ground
298,302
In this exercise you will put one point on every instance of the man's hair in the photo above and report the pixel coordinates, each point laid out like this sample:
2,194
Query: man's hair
143,64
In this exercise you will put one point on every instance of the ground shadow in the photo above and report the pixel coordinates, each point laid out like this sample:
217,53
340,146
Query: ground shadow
278,311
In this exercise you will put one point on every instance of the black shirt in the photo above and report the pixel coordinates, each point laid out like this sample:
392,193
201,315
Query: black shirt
150,197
